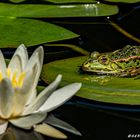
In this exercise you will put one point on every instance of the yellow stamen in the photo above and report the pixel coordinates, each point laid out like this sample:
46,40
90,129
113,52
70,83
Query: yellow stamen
17,80
8,72
21,78
1,76
14,80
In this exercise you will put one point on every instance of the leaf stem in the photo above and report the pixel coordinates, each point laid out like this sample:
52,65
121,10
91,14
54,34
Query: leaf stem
71,46
121,30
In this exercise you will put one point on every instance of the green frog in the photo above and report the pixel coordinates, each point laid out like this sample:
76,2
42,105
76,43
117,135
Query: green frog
124,62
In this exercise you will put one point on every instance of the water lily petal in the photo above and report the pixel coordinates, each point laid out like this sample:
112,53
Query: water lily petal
2,64
32,97
22,94
40,53
34,64
18,60
36,59
59,97
3,126
32,70
52,120
49,131
42,97
27,122
6,98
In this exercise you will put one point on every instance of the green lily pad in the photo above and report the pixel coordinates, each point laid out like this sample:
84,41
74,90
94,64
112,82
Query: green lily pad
71,1
99,88
124,1
31,32
51,11
17,1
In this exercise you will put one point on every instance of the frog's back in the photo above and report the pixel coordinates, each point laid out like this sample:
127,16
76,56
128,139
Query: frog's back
126,53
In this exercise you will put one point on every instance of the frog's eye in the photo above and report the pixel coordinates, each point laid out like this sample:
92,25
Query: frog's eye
94,54
103,59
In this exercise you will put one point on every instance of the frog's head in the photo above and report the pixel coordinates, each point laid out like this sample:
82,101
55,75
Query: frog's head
100,63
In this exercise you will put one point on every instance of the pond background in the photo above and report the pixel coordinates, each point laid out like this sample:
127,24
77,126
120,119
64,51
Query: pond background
104,121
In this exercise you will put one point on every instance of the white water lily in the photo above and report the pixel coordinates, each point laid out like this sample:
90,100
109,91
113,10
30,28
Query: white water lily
20,104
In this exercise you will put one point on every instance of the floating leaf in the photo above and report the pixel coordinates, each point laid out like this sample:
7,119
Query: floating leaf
99,88
17,1
124,1
71,1
51,11
31,32
15,31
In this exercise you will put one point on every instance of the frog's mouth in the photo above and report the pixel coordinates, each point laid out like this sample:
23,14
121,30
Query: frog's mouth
99,71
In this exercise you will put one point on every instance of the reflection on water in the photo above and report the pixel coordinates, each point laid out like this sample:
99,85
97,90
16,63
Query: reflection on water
18,134
93,123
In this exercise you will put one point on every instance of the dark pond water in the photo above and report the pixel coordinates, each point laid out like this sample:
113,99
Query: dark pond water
94,123
99,124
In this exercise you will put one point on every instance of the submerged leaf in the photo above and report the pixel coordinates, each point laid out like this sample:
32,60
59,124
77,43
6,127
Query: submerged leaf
99,88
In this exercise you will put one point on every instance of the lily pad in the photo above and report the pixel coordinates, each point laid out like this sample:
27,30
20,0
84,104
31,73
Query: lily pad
17,1
100,88
124,1
71,1
51,11
15,31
